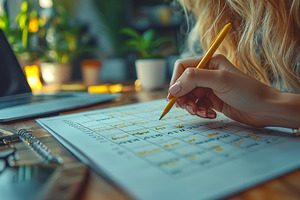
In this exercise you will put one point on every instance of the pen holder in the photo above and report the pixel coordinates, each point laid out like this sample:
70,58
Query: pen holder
151,73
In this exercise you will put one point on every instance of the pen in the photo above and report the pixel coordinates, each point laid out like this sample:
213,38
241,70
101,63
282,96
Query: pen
212,48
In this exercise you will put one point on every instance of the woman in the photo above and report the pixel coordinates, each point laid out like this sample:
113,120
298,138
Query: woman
255,78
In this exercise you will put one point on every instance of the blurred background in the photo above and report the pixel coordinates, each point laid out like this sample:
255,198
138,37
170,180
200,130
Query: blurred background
92,41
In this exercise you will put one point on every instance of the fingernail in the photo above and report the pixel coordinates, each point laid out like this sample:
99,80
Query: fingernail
175,88
201,113
190,109
168,97
211,114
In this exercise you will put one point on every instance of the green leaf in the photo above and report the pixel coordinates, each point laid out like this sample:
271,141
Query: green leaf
147,44
23,20
2,24
34,13
132,43
149,35
132,33
25,38
161,41
64,59
145,54
24,6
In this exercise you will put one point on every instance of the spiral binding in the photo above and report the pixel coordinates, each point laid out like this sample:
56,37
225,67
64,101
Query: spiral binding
39,147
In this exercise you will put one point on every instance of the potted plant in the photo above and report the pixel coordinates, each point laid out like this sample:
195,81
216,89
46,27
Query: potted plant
58,41
62,42
22,34
151,64
58,53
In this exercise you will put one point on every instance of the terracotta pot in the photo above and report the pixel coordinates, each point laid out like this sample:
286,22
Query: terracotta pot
90,71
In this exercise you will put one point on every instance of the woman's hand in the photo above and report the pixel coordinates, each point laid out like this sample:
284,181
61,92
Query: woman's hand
221,86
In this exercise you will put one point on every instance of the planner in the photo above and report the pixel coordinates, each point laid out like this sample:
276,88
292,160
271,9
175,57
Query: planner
180,157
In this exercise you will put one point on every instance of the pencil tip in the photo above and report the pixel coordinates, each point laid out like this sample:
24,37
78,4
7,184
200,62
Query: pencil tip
160,117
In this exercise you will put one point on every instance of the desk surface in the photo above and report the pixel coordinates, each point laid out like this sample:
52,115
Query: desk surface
96,187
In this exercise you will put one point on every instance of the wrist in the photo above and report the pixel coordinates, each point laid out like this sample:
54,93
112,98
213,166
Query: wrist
283,110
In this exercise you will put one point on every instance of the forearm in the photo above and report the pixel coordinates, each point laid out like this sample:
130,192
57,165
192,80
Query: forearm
284,110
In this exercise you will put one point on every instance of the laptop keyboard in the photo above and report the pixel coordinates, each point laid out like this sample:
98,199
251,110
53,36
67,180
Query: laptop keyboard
21,99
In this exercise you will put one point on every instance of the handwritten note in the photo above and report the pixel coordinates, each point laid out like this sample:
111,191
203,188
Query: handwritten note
179,157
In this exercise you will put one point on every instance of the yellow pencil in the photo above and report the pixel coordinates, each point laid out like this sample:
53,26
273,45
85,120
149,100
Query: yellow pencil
212,48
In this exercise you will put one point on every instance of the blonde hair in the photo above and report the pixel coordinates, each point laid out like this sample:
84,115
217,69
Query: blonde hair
264,40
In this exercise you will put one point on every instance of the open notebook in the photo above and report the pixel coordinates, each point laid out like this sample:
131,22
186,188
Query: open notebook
179,157
17,100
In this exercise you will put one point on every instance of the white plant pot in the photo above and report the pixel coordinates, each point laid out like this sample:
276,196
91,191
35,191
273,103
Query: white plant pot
53,73
151,73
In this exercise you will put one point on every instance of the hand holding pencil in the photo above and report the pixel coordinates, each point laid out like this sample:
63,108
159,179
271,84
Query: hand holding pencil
222,87
213,47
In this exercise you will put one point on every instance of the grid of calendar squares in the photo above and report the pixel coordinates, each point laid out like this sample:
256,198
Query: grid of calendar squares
180,142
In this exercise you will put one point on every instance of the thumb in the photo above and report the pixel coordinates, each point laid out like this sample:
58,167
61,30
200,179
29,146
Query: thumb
193,78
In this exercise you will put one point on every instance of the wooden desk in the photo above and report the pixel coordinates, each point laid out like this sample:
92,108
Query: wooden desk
96,187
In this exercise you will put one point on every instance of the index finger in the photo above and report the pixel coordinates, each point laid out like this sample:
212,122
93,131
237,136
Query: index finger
181,64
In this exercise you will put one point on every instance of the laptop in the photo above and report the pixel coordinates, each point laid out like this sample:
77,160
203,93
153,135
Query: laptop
17,101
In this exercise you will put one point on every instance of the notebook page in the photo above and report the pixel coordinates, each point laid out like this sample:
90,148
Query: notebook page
179,157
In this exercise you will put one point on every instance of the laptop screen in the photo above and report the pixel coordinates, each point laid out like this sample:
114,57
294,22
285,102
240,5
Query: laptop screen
12,78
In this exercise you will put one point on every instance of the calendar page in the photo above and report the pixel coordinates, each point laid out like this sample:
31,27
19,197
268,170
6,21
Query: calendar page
179,157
